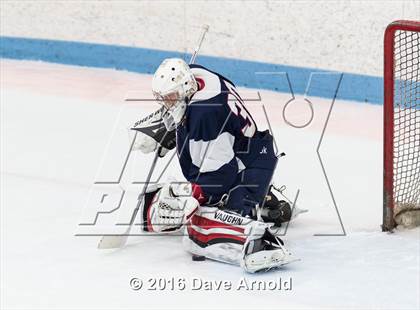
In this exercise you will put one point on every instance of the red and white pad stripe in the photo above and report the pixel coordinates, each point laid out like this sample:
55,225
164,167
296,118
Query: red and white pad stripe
211,226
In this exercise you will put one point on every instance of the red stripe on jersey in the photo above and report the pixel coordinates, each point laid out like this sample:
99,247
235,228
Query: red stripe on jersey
200,83
206,223
197,193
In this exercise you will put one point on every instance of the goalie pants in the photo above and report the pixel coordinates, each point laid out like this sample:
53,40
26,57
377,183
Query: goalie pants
252,183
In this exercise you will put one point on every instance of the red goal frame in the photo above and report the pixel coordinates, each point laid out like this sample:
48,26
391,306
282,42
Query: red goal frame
388,192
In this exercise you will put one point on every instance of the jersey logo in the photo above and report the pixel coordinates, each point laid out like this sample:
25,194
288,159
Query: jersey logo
237,106
264,150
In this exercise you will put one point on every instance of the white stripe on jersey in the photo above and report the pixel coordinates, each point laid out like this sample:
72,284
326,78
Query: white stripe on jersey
212,155
212,86
241,165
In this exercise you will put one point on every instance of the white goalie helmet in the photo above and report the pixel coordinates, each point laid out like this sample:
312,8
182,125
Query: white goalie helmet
173,84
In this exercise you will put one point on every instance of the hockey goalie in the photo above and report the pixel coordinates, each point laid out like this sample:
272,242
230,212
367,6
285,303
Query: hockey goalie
227,206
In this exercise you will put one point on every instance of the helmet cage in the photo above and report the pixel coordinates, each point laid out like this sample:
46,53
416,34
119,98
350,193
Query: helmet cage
169,99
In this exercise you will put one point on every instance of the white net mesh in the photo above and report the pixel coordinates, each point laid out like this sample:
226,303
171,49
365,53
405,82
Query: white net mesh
407,127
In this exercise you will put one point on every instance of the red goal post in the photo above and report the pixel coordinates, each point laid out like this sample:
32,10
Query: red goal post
401,125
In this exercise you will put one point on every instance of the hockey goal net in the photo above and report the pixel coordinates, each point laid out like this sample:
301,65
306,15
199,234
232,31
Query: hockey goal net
401,125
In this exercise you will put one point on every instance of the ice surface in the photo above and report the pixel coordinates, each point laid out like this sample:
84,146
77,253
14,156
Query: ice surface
57,122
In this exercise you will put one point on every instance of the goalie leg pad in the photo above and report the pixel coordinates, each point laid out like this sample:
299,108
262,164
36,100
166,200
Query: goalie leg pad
216,234
231,238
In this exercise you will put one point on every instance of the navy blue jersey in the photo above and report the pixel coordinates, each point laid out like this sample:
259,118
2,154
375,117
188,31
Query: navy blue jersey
218,137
